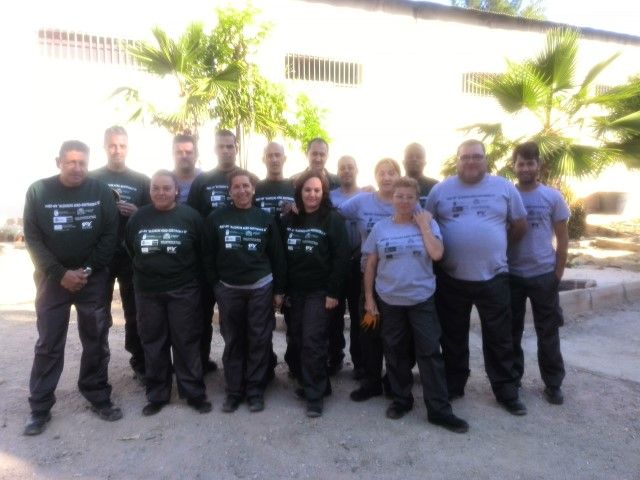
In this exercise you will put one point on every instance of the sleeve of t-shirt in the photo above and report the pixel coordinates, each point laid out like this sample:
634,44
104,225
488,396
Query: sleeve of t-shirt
43,259
516,207
370,243
435,229
193,200
432,199
349,209
560,208
145,198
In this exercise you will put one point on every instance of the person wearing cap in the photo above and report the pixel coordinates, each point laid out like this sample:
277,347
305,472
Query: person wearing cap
71,230
478,214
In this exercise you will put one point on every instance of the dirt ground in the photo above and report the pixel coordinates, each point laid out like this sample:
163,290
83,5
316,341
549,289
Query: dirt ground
595,435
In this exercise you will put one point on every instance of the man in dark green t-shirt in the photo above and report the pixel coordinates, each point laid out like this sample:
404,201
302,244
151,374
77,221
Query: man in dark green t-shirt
210,191
70,229
132,191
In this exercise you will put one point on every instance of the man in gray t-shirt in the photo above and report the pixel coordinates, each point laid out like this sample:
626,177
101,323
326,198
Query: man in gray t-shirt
535,270
477,213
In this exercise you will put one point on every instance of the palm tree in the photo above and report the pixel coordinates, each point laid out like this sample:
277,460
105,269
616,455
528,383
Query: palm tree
197,79
621,126
532,9
545,88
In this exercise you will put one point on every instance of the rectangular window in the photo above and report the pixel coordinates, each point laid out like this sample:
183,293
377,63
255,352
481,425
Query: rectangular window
319,69
602,89
472,83
61,44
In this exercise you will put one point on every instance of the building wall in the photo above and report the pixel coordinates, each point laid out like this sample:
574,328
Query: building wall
411,89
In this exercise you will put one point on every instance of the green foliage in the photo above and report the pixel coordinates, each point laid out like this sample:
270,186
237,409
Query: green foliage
545,88
532,9
308,122
621,126
577,224
215,78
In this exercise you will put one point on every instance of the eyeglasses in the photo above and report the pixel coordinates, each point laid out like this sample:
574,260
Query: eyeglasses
476,157
404,197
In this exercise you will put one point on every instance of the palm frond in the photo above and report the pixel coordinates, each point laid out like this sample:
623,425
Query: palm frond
556,64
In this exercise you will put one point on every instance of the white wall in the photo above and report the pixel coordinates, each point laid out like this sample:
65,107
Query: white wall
412,71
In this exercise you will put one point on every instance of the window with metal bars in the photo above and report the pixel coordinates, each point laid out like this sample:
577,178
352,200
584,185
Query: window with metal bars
472,83
319,69
84,47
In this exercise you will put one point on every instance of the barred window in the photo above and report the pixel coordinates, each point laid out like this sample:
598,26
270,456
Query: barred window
319,69
62,44
472,83
602,89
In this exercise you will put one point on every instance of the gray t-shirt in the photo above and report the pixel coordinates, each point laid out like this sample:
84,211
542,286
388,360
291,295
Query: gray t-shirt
405,271
338,198
534,254
473,220
184,186
367,210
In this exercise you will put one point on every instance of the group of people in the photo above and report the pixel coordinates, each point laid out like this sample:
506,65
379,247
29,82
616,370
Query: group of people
408,259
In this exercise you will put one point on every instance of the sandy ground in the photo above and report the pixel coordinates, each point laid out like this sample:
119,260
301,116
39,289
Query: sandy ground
595,435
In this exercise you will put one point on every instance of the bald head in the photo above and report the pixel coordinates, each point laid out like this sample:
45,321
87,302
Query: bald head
347,171
274,159
415,160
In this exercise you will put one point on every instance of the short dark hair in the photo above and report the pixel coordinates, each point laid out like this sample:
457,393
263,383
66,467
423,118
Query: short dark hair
114,130
226,133
239,172
325,202
471,141
184,138
527,150
167,173
315,140
73,146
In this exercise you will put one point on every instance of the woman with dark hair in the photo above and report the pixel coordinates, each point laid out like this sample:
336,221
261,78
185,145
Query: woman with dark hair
317,250
164,242
409,241
245,264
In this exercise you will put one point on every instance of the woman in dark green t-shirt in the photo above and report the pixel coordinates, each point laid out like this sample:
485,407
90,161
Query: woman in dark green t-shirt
317,249
163,240
245,263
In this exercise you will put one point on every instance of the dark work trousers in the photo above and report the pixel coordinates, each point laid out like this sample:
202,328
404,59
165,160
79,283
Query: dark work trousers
208,302
542,291
454,299
371,351
351,299
120,268
171,321
292,353
53,306
246,324
309,321
414,328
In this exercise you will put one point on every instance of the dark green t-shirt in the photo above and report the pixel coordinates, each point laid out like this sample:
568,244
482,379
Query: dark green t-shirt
317,253
242,247
66,228
131,186
210,191
165,247
272,195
